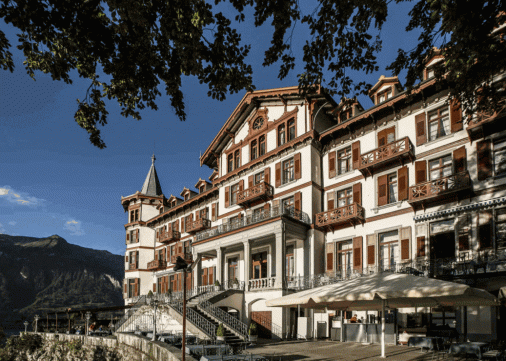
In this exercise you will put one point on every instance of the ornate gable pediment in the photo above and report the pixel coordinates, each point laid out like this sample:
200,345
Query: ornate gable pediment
258,121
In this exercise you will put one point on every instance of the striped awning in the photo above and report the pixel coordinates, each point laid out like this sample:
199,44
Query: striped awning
490,203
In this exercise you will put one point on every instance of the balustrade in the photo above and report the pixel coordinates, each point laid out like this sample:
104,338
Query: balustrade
261,190
169,237
440,186
156,264
187,256
198,225
352,213
261,283
394,150
224,317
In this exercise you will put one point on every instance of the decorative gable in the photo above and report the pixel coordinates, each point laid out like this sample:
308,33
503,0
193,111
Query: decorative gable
384,89
258,121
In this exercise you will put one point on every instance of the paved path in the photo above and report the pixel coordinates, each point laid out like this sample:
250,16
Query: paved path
334,350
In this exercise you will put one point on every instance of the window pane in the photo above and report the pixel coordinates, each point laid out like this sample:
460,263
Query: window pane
388,236
433,130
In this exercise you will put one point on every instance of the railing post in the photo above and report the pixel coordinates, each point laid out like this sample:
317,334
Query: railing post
247,264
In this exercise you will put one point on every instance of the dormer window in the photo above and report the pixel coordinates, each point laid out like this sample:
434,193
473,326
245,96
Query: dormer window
187,196
230,162
281,135
237,156
384,95
345,115
429,73
202,189
174,203
291,130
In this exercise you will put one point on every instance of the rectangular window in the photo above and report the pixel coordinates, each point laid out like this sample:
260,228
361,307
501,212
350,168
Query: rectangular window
389,249
233,272
288,171
233,193
254,150
131,287
281,135
262,145
500,158
291,130
290,263
439,123
288,203
345,258
257,214
392,188
259,178
384,95
237,159
230,162
500,228
344,160
440,167
344,197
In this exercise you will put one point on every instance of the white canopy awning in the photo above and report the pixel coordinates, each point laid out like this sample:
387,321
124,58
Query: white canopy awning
399,290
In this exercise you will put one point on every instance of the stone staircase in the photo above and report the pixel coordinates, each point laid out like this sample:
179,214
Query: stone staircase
230,337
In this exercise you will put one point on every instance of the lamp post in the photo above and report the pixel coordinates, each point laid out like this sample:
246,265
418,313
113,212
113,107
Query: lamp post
26,326
181,265
153,302
36,319
88,316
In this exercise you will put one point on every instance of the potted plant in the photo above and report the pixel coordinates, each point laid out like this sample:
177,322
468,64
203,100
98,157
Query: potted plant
253,332
216,285
235,283
220,333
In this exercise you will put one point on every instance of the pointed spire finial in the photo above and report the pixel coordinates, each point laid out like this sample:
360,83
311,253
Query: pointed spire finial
153,158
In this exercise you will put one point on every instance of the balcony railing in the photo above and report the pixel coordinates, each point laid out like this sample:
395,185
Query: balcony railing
352,213
253,219
486,122
262,283
442,186
198,225
132,266
395,150
262,190
169,237
157,264
187,256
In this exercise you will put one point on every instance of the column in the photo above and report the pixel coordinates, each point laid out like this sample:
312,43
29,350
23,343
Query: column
198,272
247,264
280,258
219,265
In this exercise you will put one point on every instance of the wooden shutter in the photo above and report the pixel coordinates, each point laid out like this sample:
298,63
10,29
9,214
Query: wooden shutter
204,277
267,175
211,276
332,164
402,176
126,258
483,149
136,259
241,184
136,287
183,224
157,234
296,164
125,284
330,257
154,287
137,240
177,225
357,193
420,171
382,138
164,254
463,231
227,196
371,255
485,229
357,253
156,255
197,215
459,159
127,237
455,116
213,212
267,206
298,201
421,135
405,243
420,246
382,190
278,173
355,154
330,201
250,181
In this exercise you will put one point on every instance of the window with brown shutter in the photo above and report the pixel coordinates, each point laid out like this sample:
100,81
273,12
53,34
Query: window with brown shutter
355,154
241,184
137,240
382,190
370,255
177,225
455,116
267,175
330,201
126,258
420,246
296,160
357,193
357,253
405,243
402,175
421,134
298,201
227,197
154,287
483,149
485,229
136,259
213,212
278,173
136,287
250,181
267,206
127,237
420,171
125,293
330,257
386,136
459,159
332,164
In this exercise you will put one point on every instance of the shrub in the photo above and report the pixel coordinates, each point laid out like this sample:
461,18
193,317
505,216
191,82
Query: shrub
217,283
220,331
252,329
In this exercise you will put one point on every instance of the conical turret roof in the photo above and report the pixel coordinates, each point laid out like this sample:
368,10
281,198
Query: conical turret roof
151,186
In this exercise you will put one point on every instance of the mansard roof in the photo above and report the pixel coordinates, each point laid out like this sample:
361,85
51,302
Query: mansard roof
151,186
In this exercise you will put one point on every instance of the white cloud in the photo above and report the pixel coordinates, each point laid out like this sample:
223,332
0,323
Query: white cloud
74,227
13,223
2,229
21,198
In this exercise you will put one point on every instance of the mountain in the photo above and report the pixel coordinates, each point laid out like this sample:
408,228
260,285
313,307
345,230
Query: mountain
38,275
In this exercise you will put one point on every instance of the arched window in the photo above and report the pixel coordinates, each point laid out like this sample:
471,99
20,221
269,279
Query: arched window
291,130
230,162
254,150
281,135
262,145
237,157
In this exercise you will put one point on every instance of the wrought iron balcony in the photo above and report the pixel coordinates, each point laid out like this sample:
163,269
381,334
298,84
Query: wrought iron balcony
261,190
187,256
439,188
350,214
198,225
156,264
169,237
398,150
132,266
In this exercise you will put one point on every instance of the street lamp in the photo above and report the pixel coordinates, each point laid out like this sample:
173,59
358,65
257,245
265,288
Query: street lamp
153,302
26,326
36,319
181,265
88,316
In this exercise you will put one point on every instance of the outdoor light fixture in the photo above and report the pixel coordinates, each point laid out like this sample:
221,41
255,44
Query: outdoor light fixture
181,265
36,319
88,316
26,325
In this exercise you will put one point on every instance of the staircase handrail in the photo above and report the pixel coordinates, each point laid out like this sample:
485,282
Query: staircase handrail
225,318
141,301
194,317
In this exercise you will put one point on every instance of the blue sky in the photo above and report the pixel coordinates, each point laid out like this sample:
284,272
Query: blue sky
53,181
